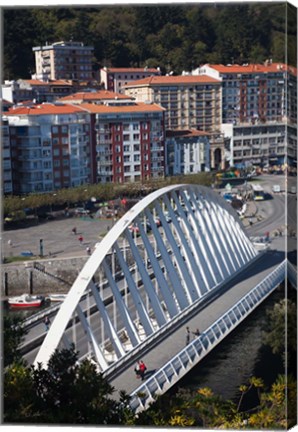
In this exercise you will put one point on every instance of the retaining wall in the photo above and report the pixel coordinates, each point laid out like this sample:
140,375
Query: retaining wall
58,276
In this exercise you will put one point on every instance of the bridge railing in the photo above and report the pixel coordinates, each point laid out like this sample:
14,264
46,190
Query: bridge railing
180,364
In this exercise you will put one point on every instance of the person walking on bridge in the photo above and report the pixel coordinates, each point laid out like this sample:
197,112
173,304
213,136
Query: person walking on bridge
187,340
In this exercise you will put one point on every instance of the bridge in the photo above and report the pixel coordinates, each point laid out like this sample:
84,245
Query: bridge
180,257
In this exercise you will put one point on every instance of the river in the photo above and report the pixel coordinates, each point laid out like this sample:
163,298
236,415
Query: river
239,356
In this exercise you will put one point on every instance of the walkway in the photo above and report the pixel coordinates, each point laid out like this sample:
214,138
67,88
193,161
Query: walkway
174,342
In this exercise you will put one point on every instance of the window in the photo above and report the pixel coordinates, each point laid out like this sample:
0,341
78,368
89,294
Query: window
57,163
56,152
64,129
55,129
126,137
136,137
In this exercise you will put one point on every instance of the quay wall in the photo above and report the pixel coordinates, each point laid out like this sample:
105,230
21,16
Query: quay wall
41,277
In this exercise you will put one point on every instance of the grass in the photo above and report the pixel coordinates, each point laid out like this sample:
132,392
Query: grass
8,260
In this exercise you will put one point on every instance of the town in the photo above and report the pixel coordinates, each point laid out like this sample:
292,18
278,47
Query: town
60,132
149,238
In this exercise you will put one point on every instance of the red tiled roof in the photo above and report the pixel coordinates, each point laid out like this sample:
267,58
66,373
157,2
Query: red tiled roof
251,68
44,109
137,107
169,80
186,133
99,95
131,70
35,82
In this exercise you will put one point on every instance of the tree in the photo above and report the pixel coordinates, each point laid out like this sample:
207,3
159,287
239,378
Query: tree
281,326
65,393
13,335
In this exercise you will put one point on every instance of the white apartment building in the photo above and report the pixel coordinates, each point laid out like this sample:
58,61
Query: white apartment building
64,60
50,147
270,144
187,152
129,141
115,79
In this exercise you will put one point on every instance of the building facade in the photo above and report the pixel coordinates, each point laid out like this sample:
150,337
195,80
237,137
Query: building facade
115,79
129,141
187,152
6,158
64,60
272,144
191,102
260,102
256,93
50,147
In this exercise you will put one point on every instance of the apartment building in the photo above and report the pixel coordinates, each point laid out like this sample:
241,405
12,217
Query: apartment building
97,97
115,79
187,152
260,101
256,93
35,90
129,141
64,60
271,144
50,147
6,158
191,102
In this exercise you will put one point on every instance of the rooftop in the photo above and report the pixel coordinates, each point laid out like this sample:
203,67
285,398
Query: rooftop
252,68
170,80
44,109
94,96
132,108
35,82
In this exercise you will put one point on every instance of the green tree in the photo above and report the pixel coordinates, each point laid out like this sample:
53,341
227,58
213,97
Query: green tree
65,393
281,327
13,335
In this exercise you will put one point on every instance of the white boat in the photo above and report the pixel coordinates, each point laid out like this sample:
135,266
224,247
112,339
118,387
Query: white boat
25,301
57,297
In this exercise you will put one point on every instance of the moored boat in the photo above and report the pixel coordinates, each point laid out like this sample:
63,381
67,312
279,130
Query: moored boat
57,297
25,301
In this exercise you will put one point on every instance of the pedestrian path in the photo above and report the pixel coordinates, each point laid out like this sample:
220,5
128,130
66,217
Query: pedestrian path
172,343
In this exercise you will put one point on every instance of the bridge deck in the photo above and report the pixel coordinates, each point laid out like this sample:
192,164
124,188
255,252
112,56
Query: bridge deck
174,342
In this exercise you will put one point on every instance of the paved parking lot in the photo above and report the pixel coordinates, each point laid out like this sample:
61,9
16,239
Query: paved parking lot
57,236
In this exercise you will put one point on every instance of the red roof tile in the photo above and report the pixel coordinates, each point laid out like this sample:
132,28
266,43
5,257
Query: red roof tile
99,95
254,68
45,109
170,80
137,107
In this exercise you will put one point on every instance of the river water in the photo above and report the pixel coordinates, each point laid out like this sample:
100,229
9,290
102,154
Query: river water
239,356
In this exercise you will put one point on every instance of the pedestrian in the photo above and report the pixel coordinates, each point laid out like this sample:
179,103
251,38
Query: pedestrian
47,322
137,370
80,238
187,336
142,369
196,333
74,230
88,250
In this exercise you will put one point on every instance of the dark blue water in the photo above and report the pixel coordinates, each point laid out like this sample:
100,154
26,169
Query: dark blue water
239,356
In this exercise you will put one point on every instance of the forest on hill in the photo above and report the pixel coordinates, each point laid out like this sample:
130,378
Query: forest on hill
175,37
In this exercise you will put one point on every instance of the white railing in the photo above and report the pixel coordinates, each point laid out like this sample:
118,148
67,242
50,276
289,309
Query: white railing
181,363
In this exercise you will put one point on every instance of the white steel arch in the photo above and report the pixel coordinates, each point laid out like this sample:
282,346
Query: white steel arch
167,252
